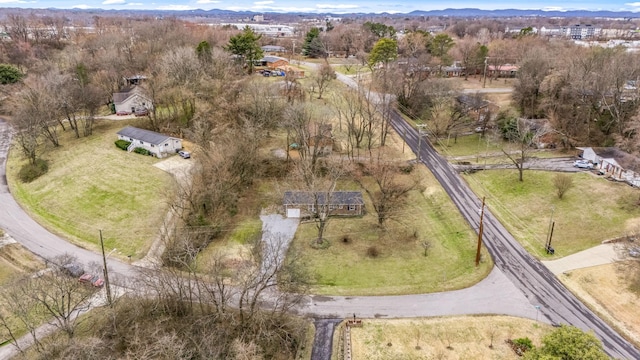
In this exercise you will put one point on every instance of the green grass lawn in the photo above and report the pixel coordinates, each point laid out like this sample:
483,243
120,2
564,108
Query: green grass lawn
478,147
345,268
92,185
592,211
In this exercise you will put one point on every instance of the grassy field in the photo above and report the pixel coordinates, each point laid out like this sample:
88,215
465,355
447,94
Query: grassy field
592,211
15,260
93,185
477,148
346,268
468,337
605,290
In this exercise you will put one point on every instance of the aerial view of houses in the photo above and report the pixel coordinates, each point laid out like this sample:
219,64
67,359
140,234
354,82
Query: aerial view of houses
319,181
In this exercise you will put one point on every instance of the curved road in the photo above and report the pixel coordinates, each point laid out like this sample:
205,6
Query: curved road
517,284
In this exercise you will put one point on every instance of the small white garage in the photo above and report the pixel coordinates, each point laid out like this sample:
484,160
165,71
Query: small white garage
293,213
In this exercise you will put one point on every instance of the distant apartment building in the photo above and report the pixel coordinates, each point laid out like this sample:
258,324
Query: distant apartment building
580,32
266,29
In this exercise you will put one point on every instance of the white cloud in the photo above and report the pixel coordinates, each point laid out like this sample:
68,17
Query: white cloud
110,2
175,7
634,4
337,6
81,6
263,2
135,4
15,1
553,8
207,1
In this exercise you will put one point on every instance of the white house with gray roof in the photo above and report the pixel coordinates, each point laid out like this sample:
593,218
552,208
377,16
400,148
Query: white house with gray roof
159,145
131,100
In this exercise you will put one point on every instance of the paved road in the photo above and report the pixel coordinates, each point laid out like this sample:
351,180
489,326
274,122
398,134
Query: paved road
489,90
33,236
323,342
535,281
534,284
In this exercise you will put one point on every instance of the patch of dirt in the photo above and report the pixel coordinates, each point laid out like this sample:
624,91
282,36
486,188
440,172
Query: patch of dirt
605,290
20,258
632,225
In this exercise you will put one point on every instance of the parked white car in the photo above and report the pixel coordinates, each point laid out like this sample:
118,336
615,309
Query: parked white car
583,164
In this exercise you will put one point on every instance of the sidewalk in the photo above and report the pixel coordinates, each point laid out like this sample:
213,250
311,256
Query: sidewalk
597,255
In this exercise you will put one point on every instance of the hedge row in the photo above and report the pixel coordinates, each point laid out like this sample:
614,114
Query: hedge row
123,144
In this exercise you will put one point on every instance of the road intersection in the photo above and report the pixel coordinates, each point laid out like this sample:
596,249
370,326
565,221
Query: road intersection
519,285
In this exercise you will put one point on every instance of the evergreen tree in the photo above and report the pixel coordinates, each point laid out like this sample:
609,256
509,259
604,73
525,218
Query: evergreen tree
313,46
246,46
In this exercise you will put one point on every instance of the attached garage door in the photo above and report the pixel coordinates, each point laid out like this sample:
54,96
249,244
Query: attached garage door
293,213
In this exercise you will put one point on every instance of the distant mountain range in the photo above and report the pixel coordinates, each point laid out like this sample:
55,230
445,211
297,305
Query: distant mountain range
521,13
468,12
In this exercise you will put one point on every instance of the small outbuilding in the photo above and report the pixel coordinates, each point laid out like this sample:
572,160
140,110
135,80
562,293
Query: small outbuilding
159,145
340,203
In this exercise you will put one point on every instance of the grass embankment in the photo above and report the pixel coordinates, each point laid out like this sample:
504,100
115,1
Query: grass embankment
592,211
466,337
606,290
400,266
15,261
93,185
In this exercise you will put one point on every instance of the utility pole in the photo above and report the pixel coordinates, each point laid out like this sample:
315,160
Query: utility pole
106,272
480,234
547,245
549,249
293,51
484,73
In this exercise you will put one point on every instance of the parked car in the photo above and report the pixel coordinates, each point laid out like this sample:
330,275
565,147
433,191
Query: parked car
73,269
94,280
583,164
480,129
122,113
634,252
184,154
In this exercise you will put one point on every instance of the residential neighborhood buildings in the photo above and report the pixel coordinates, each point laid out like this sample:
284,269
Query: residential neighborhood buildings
159,145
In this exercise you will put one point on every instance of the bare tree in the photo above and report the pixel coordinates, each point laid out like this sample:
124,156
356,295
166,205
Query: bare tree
324,75
525,135
562,183
391,188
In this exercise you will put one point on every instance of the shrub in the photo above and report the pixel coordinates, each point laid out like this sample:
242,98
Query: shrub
524,344
30,172
373,252
123,144
142,151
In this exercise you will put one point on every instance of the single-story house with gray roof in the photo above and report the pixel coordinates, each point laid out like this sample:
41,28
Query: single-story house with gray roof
340,203
273,49
131,100
614,163
159,145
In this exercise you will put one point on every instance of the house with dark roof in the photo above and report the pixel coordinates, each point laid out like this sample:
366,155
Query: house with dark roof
336,203
273,62
159,145
131,100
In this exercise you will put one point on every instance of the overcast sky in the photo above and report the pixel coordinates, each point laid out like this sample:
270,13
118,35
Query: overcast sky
325,6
